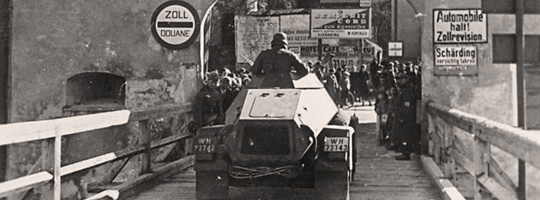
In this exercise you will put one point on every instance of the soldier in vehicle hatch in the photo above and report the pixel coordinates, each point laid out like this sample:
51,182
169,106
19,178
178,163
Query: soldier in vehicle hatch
207,108
272,67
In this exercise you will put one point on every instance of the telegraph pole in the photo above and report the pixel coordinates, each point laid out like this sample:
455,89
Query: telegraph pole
522,121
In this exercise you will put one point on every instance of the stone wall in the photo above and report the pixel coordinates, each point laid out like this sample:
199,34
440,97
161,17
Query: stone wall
53,40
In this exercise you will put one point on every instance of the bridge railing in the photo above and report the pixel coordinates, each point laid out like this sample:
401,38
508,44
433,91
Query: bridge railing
474,151
57,128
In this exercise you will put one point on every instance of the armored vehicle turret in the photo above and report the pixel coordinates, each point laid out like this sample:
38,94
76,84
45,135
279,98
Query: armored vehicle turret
277,137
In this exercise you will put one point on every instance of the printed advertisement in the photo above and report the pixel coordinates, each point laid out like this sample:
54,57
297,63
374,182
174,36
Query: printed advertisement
458,60
297,29
341,23
253,35
459,26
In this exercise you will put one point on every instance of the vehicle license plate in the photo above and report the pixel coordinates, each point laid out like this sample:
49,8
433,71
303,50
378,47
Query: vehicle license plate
336,144
206,145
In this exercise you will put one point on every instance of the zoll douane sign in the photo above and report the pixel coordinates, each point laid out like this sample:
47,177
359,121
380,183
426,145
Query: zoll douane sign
459,26
175,24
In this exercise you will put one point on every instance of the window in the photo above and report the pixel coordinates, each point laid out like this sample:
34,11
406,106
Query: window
532,49
509,6
531,7
499,6
504,48
265,140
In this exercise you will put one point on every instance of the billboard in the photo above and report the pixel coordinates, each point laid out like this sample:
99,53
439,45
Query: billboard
341,23
253,35
297,29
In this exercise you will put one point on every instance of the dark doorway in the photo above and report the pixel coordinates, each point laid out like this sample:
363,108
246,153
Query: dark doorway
94,92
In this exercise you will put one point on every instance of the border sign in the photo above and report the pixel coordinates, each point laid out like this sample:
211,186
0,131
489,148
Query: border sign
395,49
175,24
341,23
459,26
456,60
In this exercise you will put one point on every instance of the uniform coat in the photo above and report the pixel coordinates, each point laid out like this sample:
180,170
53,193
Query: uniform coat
273,67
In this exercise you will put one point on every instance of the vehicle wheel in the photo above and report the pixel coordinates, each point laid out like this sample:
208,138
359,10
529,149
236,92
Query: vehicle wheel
212,184
332,185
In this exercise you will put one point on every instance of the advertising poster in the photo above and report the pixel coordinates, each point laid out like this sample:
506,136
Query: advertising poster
459,26
297,29
457,60
341,23
253,35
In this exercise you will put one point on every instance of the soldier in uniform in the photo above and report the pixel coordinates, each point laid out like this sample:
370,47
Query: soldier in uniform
405,116
272,67
226,91
207,108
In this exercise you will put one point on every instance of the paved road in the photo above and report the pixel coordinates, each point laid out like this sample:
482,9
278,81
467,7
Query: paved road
378,175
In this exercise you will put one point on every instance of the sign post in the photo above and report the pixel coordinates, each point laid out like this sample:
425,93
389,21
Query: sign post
175,24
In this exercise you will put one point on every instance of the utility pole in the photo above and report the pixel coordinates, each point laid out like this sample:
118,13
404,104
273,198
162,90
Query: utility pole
394,20
520,64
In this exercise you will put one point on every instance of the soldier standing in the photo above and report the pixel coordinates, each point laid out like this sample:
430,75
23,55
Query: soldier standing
272,67
405,116
207,108
226,91
331,85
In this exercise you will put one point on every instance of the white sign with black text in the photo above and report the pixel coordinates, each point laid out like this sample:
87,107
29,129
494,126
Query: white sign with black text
175,24
341,23
459,26
455,60
395,49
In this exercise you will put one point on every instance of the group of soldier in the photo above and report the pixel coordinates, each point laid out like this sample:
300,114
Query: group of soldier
343,84
219,91
398,89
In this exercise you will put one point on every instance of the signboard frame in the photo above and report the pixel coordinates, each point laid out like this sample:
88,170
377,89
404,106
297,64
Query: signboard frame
196,24
434,31
472,72
402,49
344,33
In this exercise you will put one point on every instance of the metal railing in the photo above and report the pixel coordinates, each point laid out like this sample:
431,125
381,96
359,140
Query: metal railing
450,150
57,128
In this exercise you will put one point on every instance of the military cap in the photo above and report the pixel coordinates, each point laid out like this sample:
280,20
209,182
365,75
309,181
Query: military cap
213,76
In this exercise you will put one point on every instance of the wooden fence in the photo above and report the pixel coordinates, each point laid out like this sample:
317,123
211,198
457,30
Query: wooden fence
57,128
475,155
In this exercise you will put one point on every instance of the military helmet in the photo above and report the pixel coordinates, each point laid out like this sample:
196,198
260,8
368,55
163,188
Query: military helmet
280,39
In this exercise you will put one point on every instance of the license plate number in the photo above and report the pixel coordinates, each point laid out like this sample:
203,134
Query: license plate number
205,145
336,144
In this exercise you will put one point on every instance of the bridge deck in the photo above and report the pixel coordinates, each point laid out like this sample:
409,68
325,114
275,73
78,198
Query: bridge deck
378,176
